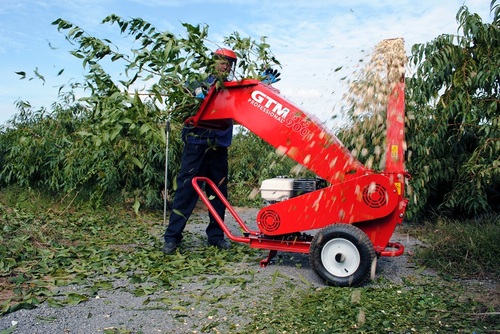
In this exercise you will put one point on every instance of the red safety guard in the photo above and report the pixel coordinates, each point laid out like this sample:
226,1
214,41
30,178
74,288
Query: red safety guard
261,109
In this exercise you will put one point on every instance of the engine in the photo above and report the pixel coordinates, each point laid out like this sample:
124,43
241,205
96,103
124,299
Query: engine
282,188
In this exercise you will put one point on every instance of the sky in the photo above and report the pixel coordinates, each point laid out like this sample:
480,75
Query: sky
310,38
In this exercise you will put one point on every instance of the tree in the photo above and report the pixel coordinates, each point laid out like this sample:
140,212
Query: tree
115,143
453,116
453,130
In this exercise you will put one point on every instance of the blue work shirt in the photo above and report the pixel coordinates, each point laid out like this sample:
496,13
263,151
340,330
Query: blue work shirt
203,136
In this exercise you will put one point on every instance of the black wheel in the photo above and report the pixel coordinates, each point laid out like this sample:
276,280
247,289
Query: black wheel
343,255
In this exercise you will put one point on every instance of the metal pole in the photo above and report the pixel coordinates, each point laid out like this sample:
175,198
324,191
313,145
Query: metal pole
165,192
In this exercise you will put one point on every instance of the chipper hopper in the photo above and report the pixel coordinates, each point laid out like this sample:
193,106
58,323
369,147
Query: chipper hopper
345,217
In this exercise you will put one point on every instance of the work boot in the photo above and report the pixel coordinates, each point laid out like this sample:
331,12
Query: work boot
169,247
221,244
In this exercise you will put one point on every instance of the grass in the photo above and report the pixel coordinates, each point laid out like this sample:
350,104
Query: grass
461,248
413,308
46,245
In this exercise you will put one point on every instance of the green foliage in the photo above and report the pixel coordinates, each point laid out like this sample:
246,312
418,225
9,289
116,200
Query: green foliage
454,116
112,140
45,246
419,308
164,61
461,248
452,123
67,151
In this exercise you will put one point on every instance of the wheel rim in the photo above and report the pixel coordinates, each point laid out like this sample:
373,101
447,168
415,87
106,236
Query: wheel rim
340,257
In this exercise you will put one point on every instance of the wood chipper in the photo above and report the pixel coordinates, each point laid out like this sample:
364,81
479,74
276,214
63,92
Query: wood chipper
352,212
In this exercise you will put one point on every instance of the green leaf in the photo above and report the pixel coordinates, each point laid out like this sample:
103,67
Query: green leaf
22,74
84,133
75,298
55,303
11,329
136,206
39,76
136,162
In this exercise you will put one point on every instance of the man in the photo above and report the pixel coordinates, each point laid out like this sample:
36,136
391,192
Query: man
204,154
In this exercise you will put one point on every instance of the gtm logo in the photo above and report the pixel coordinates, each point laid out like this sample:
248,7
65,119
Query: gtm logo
273,106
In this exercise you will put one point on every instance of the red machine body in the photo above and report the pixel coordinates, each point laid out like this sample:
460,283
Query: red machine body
373,202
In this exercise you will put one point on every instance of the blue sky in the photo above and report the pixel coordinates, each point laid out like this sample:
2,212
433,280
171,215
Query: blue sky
310,38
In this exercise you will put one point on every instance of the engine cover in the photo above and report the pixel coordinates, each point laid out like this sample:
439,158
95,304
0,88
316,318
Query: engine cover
282,188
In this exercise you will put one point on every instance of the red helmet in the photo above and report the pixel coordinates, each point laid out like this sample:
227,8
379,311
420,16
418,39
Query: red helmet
230,58
226,53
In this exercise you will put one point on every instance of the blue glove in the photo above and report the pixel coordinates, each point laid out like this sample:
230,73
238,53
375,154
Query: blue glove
270,76
199,93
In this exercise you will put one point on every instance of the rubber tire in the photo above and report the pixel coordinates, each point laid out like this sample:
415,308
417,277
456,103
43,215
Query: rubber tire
352,239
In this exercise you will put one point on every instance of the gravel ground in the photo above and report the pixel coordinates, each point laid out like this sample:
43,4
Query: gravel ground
192,307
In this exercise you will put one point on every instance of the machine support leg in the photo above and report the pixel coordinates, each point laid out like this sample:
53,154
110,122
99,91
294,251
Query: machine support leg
270,257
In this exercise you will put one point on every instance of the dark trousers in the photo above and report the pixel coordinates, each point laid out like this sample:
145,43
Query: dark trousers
198,160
